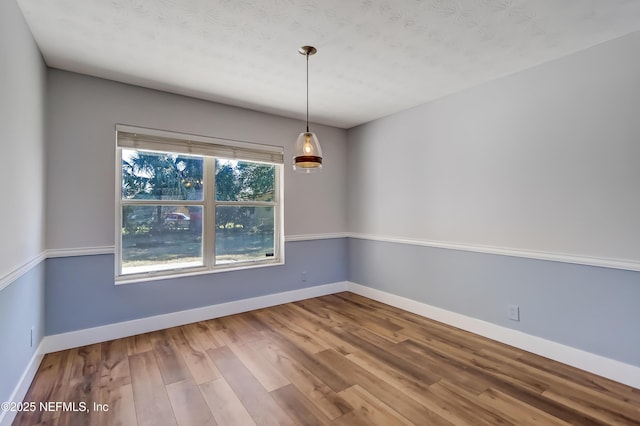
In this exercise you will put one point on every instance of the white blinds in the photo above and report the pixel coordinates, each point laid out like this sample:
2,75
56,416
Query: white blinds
161,140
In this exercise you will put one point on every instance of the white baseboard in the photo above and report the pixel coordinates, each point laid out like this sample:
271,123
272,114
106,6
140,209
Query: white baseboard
20,391
74,339
596,364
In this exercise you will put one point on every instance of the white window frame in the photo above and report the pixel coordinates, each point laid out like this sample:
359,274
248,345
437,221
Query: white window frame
131,137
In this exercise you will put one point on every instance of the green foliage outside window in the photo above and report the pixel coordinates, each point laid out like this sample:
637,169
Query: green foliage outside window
166,231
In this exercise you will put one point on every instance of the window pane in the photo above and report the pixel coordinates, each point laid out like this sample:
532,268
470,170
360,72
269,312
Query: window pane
244,234
156,238
244,181
161,176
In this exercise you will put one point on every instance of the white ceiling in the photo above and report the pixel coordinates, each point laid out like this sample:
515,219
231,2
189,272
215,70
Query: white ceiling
375,57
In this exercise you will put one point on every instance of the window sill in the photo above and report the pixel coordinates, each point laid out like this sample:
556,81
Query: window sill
167,275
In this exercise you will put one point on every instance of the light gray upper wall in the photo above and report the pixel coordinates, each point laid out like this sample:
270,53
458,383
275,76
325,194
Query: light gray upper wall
22,87
81,159
542,160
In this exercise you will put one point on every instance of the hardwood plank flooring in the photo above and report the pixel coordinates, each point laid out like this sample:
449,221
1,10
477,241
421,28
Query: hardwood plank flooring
340,359
150,395
188,404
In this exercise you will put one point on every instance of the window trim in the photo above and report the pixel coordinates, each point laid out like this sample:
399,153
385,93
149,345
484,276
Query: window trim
198,145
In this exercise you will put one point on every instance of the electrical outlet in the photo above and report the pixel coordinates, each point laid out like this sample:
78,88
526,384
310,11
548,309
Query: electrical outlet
303,276
514,312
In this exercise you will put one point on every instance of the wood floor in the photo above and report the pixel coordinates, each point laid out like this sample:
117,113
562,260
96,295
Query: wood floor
340,359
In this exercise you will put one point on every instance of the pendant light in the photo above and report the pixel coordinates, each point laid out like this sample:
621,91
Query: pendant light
308,154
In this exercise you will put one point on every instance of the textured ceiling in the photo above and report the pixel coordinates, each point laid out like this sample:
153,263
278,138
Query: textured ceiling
375,57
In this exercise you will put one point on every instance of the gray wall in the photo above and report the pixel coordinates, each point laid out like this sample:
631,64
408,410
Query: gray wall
21,307
80,292
22,88
544,160
80,289
590,308
22,85
81,168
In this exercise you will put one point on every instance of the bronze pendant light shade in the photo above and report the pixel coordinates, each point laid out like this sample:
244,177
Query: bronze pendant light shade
308,154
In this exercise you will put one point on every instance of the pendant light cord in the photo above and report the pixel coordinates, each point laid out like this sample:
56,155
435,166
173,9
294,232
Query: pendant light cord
307,92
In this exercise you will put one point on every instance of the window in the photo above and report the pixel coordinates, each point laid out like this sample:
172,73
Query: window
193,204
